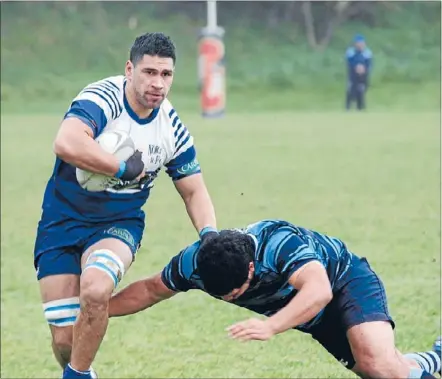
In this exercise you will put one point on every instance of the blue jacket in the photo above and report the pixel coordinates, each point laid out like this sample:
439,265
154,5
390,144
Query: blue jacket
355,57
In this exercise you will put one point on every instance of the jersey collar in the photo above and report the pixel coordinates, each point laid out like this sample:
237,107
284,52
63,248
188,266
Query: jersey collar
255,241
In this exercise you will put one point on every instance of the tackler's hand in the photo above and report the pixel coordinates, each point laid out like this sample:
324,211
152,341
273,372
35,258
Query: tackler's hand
252,329
132,168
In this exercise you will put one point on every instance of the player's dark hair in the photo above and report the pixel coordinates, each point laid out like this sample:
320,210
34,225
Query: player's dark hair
152,44
223,261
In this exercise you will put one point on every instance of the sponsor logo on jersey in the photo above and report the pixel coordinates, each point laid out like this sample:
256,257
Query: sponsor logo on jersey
155,154
189,168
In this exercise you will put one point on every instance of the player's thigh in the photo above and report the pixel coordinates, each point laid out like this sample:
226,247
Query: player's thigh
104,264
123,237
360,300
362,306
373,347
110,247
108,255
331,334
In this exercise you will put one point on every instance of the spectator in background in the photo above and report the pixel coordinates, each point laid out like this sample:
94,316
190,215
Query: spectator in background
359,62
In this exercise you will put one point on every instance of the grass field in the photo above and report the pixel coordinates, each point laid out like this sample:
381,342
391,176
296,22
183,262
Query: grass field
371,179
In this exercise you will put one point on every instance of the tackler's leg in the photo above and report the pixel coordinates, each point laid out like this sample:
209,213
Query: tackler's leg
374,349
371,331
104,264
361,307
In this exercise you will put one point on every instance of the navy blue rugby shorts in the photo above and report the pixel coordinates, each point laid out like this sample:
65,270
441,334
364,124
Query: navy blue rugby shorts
60,242
360,299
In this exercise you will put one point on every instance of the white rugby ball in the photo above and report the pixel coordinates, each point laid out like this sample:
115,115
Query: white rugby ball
117,143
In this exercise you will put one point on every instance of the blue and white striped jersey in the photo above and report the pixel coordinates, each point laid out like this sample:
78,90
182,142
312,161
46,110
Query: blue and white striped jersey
281,249
162,138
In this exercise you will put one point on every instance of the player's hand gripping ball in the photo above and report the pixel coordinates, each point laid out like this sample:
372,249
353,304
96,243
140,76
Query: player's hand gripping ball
121,145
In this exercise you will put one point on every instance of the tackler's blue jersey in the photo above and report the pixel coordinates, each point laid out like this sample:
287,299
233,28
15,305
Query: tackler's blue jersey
162,138
281,249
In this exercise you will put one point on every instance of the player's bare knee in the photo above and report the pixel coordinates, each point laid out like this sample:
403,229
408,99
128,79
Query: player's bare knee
374,362
93,291
369,366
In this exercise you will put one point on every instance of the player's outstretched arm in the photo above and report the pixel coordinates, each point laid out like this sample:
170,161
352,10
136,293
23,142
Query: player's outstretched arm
185,171
75,145
314,293
138,296
198,203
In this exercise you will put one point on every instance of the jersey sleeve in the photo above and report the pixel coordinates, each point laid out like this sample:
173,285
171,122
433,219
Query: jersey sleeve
184,161
291,254
96,105
349,54
178,274
368,59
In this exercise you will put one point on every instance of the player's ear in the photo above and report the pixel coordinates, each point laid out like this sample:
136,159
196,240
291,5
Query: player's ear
251,270
129,69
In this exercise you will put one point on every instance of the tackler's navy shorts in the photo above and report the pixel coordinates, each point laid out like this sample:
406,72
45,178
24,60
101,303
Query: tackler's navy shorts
360,299
61,242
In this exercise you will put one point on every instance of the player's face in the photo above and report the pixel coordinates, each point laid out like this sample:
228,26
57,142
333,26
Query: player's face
237,292
360,45
151,79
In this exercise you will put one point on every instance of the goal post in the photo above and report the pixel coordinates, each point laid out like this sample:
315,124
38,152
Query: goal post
211,65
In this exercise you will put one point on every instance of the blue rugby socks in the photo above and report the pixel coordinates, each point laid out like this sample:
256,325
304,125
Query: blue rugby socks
70,373
418,373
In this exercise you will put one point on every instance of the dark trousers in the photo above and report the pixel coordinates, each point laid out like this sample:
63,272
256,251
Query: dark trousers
356,92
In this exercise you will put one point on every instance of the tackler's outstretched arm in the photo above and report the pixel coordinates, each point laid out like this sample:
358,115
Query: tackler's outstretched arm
314,294
138,296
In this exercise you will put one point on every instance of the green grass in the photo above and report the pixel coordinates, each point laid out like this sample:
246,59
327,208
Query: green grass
392,98
372,179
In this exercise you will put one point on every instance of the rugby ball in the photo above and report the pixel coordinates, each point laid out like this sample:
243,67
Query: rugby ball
117,143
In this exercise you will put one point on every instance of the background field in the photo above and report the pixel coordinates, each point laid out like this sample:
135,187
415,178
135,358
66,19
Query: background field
284,150
50,50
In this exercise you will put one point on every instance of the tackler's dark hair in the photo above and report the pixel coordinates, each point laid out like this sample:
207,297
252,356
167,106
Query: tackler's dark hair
154,44
223,261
